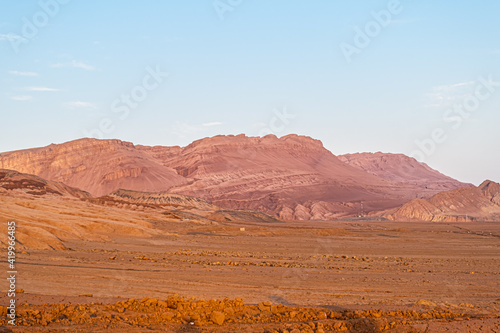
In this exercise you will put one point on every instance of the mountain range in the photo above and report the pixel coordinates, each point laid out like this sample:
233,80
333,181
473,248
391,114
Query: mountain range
292,177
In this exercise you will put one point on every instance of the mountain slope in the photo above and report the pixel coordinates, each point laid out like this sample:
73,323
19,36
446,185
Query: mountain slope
401,168
48,214
464,204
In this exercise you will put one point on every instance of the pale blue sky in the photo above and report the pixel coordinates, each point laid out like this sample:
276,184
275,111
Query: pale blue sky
240,66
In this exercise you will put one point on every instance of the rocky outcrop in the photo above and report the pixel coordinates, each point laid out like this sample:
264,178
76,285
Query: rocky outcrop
162,199
185,206
11,180
460,205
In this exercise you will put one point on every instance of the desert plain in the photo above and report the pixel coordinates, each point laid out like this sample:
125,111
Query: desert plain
354,276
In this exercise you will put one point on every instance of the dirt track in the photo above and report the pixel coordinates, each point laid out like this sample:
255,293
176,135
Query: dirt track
355,276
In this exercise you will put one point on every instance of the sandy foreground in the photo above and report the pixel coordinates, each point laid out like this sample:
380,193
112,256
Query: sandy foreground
267,277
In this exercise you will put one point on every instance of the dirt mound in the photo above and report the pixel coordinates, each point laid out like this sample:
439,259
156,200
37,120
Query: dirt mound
47,221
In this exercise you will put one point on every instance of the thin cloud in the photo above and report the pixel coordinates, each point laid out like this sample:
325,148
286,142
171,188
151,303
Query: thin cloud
11,37
41,89
450,87
74,64
214,123
403,21
183,130
447,95
21,98
80,104
23,73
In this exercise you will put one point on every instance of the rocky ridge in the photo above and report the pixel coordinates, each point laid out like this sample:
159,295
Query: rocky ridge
481,203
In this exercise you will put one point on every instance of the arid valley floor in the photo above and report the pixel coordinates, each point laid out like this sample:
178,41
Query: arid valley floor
268,277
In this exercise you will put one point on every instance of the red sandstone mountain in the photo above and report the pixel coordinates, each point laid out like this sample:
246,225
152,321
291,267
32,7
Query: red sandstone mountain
401,168
292,177
481,203
97,166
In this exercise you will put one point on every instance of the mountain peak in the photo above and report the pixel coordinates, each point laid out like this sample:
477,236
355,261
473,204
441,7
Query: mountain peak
269,139
302,139
490,188
488,183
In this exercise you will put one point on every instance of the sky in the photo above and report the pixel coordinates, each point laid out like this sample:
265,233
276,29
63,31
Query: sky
420,78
